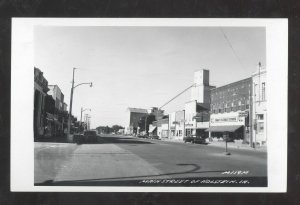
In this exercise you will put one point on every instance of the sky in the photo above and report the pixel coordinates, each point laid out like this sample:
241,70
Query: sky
142,67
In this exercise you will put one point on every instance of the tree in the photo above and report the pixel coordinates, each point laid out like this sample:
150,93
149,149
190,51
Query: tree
146,120
116,128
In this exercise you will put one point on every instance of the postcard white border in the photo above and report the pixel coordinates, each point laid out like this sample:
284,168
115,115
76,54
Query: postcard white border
22,61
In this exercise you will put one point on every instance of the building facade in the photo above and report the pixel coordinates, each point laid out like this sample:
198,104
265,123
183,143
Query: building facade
259,111
133,116
231,110
50,116
163,128
40,92
60,115
176,125
197,109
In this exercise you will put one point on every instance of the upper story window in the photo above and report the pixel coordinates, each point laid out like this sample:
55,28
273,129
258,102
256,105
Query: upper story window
260,117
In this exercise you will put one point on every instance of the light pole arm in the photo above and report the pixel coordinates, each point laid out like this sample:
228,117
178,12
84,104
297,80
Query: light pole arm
91,84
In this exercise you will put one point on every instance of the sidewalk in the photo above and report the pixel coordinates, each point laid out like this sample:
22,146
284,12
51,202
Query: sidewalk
230,145
58,139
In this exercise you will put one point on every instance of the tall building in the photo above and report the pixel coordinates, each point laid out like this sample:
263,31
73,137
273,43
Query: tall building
40,92
201,90
259,111
199,105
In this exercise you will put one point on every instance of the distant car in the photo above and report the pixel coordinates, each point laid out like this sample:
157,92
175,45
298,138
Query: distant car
90,136
142,136
199,140
78,138
188,139
154,137
194,139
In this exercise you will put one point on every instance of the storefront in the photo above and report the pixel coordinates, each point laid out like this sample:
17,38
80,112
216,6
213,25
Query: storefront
152,130
163,128
235,123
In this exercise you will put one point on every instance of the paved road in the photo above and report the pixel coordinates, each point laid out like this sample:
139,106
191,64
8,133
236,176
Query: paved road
121,158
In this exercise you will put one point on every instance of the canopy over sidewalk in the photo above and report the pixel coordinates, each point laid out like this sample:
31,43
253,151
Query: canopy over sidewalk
228,128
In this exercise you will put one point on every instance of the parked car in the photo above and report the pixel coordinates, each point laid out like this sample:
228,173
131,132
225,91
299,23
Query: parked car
154,137
143,136
199,139
194,139
78,138
140,136
188,139
90,136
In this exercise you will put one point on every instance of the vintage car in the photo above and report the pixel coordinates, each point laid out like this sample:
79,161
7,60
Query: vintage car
198,139
90,136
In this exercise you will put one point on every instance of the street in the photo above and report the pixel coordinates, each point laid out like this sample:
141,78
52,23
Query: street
117,159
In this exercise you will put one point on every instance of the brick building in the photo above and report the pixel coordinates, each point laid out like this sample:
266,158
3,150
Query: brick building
230,110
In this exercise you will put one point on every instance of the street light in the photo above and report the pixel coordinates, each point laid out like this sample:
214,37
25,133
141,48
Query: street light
71,100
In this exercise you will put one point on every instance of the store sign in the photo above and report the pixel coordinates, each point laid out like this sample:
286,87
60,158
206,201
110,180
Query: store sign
243,114
226,119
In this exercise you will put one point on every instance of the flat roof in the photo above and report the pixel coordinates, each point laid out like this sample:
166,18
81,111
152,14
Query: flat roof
138,110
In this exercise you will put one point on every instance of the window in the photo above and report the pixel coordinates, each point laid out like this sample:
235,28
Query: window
260,127
260,117
263,91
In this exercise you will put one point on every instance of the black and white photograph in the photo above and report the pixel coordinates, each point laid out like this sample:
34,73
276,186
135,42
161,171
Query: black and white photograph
154,104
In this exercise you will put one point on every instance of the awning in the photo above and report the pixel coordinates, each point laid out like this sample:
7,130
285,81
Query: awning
152,129
228,128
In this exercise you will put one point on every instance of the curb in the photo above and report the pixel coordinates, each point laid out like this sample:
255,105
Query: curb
229,146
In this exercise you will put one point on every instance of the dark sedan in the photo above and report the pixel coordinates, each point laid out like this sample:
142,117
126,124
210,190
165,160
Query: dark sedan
194,139
90,136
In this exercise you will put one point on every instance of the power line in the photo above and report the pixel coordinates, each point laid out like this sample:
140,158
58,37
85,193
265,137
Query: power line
230,45
177,95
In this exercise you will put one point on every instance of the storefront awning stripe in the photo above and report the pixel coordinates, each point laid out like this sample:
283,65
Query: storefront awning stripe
228,128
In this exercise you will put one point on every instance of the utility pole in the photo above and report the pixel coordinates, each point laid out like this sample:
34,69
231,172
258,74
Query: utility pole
71,102
250,121
183,123
70,110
